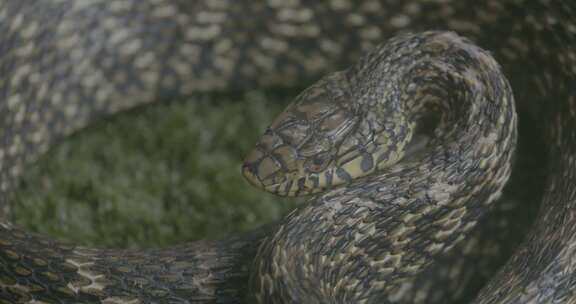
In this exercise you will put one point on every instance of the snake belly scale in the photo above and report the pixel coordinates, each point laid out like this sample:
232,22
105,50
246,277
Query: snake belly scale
409,144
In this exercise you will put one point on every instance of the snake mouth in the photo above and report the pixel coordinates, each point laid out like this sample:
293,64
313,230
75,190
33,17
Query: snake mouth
279,171
271,172
283,184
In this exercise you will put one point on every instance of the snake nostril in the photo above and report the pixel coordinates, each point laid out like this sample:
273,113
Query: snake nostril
248,172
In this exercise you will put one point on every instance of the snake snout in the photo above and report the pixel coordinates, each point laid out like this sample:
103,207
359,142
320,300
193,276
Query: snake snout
273,165
262,169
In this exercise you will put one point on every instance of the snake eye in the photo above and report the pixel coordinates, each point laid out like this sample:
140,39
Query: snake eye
317,163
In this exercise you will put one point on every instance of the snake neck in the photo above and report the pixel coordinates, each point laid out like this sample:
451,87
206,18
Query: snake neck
360,242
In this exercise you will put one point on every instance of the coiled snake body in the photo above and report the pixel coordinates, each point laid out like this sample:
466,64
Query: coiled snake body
416,138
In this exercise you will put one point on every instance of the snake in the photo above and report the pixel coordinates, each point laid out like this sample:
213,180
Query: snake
404,139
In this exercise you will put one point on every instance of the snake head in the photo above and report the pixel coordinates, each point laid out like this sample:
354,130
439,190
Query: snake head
321,140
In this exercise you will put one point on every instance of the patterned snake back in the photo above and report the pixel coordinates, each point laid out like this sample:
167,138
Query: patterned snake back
66,63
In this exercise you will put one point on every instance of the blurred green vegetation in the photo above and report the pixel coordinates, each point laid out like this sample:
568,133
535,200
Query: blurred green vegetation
157,175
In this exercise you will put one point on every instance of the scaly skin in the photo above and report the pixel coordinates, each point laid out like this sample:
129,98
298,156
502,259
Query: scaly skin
67,63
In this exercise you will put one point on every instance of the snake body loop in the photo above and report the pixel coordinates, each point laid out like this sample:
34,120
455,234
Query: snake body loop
410,145
399,217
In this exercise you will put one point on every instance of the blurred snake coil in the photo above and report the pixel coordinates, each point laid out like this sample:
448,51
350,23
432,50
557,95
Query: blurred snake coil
403,148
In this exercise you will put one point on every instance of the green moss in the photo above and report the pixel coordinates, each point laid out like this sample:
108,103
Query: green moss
155,176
